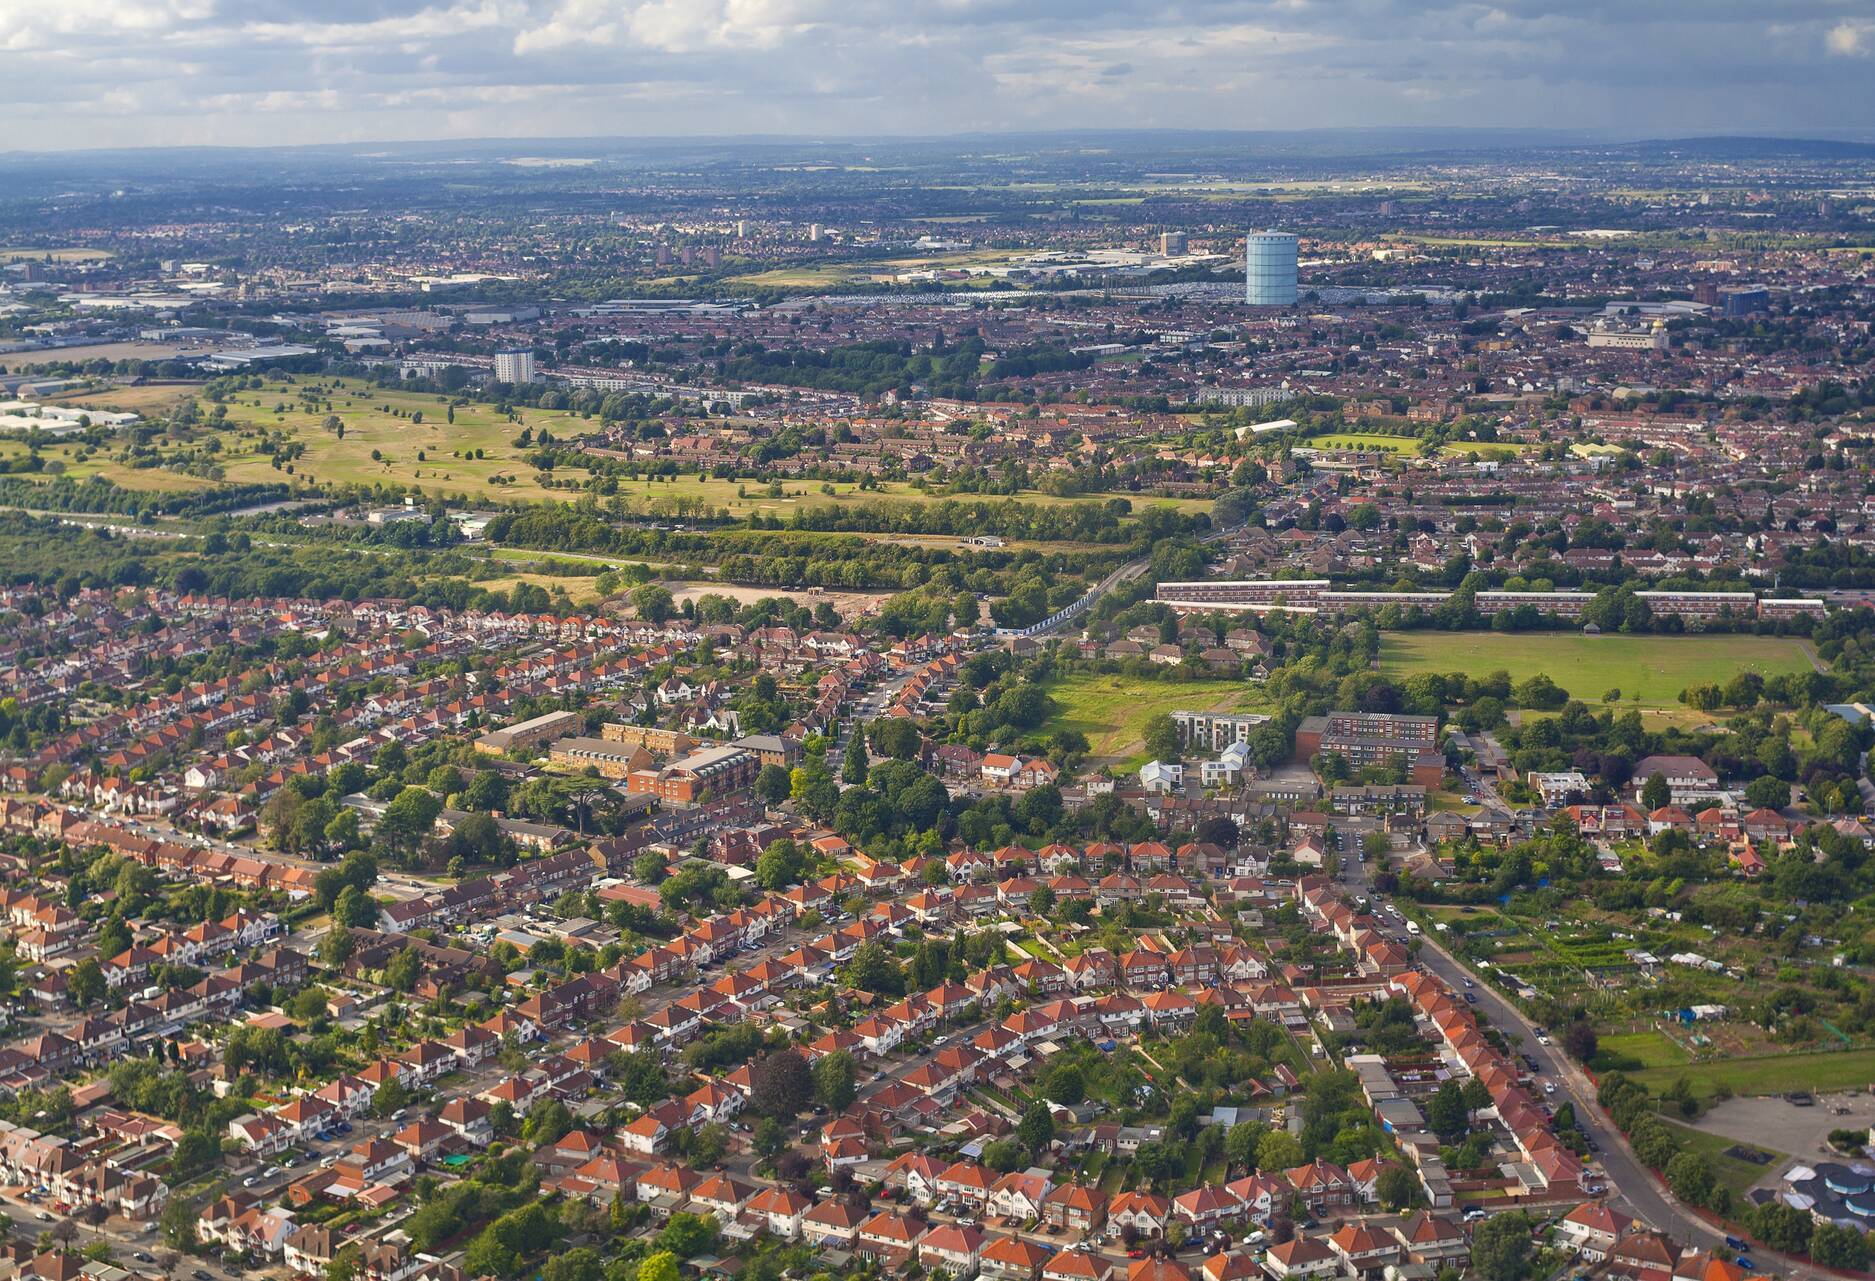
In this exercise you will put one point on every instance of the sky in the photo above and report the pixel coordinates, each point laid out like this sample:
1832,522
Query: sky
117,73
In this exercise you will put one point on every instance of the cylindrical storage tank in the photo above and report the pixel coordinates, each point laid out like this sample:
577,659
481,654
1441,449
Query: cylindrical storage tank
1270,269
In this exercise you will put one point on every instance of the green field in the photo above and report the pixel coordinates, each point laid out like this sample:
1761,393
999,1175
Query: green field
1650,671
1735,1174
1367,440
1490,450
1774,1074
1650,1049
1113,710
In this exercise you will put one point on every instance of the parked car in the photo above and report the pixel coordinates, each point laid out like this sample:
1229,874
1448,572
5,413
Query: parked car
1737,1243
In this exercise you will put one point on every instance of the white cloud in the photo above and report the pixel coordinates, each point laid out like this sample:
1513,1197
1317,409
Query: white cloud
671,26
39,24
1851,39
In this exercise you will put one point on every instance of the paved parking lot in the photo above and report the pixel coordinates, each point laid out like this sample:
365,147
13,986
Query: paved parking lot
1782,1126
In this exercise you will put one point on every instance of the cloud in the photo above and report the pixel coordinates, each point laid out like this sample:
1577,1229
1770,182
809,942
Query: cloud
270,71
1851,39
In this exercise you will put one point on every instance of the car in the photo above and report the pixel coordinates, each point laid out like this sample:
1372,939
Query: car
1737,1243
1135,1254
1471,998
143,1257
1549,1087
1469,983
1541,1039
250,1180
199,1275
42,1216
1745,1262
1473,1214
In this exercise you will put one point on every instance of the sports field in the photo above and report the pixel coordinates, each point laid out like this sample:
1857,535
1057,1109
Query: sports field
1113,710
1367,440
1650,671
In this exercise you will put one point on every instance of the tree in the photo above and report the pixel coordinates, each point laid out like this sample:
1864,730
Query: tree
1783,1227
1446,1112
409,817
653,603
1656,794
1767,793
688,1235
834,1076
780,865
1397,1188
1240,1145
1279,1150
1653,1143
709,1143
403,969
770,1138
113,937
178,1222
1500,1247
772,784
872,968
812,789
355,909
1161,735
1580,1040
85,983
341,833
1036,1130
389,1098
853,764
546,1123
780,1084
1690,1175
1066,1085
1844,1249
661,1266
581,1264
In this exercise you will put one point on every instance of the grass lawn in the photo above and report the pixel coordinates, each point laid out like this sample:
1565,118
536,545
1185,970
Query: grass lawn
1649,1049
1650,671
1501,450
1367,440
1112,710
1735,1174
1773,1074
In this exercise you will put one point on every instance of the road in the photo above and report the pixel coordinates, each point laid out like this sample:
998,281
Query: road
1125,573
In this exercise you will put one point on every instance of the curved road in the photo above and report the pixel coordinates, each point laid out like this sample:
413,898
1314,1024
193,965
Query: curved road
1634,1188
1633,1184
